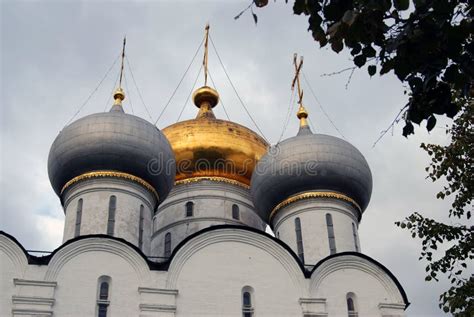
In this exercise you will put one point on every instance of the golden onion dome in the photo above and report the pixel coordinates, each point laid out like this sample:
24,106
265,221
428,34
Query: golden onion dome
210,148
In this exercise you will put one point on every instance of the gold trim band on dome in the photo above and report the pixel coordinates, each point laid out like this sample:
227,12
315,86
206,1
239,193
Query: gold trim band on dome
314,194
211,178
113,174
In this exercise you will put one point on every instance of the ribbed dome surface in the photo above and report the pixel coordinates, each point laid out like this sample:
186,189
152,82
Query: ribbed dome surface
310,162
112,141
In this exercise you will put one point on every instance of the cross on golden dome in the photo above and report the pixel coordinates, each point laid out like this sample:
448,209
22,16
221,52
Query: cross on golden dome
205,98
119,94
302,114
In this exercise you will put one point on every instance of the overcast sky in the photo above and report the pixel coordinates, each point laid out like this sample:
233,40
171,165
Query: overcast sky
53,55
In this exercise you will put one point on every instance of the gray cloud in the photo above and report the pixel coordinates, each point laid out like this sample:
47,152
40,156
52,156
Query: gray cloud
54,53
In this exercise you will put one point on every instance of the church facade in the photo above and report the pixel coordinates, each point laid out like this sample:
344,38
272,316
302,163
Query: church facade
172,223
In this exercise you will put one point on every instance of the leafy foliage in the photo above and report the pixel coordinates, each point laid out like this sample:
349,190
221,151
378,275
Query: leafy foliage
428,44
429,48
455,163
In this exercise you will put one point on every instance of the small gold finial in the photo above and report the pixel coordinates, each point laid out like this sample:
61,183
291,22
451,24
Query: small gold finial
302,114
119,96
205,98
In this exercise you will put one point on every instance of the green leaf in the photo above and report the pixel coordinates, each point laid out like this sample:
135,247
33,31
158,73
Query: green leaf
356,49
401,4
408,129
419,3
430,124
348,17
359,60
369,51
337,46
299,7
372,69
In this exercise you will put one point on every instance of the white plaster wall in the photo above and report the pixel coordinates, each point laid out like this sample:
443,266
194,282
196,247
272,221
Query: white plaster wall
212,206
371,285
205,278
96,194
76,293
8,272
212,272
312,213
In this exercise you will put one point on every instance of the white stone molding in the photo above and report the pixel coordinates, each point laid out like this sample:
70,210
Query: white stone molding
313,307
157,308
109,185
15,254
196,219
319,205
392,309
32,300
31,312
33,297
21,282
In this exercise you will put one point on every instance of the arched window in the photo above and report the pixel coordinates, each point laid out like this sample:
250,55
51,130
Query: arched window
77,229
299,239
111,220
103,300
235,212
331,237
167,253
104,291
140,227
247,302
351,305
354,234
189,209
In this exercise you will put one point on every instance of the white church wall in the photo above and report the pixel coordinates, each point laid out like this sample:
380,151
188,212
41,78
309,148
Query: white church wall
77,267
96,194
206,277
375,291
312,214
213,268
13,264
212,206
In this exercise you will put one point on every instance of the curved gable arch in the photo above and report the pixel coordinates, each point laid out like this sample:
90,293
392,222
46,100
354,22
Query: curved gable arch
99,244
361,262
15,252
222,234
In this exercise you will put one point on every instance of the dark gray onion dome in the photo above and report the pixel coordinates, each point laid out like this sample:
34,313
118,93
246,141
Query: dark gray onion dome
112,141
310,162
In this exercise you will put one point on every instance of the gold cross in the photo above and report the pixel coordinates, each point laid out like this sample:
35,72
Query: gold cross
296,80
206,49
123,57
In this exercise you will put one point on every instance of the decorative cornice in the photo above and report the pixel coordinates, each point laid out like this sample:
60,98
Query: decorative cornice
32,300
112,174
211,178
22,282
188,220
314,194
149,290
157,308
